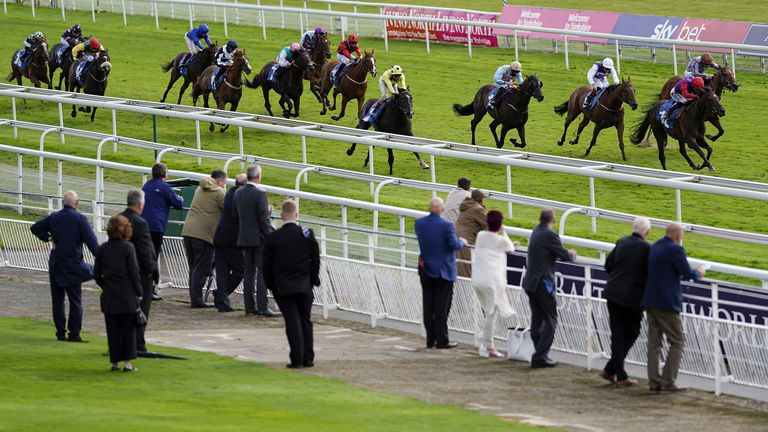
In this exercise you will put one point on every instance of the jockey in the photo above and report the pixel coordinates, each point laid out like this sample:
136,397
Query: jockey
686,90
698,65
506,77
225,58
30,44
390,83
344,54
72,35
285,57
309,38
194,36
596,77
89,48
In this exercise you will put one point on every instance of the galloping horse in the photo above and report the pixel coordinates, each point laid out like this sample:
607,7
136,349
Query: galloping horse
61,57
395,118
94,79
722,80
608,112
37,67
688,128
353,84
291,84
231,89
512,111
202,60
319,56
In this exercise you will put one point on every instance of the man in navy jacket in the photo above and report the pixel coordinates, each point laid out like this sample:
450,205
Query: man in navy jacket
438,244
663,302
68,230
228,258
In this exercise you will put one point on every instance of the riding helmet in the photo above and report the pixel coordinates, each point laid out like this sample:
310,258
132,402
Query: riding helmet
608,63
319,30
397,70
76,28
94,43
516,66
707,59
352,38
39,35
232,45
698,83
203,28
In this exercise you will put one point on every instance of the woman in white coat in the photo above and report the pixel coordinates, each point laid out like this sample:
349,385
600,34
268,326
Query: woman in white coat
489,277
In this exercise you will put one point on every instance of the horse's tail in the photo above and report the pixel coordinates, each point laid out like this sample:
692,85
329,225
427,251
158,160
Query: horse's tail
9,77
641,129
255,83
561,109
166,67
464,110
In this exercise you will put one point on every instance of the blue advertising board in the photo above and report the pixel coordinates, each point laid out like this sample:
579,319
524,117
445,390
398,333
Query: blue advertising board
662,28
757,35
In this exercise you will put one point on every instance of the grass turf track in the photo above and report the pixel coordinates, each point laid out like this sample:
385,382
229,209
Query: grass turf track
49,385
437,80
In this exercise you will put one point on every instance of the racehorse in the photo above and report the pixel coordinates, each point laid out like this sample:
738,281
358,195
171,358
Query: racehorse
319,56
202,60
94,79
291,84
608,112
353,84
395,118
63,60
231,88
688,128
37,67
512,111
722,80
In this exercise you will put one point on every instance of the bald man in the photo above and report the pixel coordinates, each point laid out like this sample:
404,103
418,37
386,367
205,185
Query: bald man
438,244
228,257
663,302
68,229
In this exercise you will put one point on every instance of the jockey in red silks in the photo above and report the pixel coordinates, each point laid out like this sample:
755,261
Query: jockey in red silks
687,89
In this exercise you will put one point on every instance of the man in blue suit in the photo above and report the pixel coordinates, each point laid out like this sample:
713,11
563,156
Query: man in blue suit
68,230
663,302
438,244
228,258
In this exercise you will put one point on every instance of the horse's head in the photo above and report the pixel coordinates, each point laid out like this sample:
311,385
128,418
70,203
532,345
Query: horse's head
210,52
627,93
726,78
532,87
303,61
102,61
711,102
404,101
241,62
323,45
41,51
369,63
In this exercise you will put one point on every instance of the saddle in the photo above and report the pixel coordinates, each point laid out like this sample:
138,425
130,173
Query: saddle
62,52
591,102
338,72
21,61
375,111
216,79
184,63
668,114
81,67
274,75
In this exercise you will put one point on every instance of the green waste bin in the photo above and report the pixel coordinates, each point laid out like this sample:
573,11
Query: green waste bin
186,188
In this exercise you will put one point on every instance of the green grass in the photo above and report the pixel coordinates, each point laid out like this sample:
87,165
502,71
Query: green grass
437,80
49,385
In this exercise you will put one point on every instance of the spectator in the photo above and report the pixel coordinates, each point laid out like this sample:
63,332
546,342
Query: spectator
145,254
455,198
199,228
489,278
437,272
252,211
291,269
68,230
470,222
544,249
117,272
663,302
627,268
159,198
228,257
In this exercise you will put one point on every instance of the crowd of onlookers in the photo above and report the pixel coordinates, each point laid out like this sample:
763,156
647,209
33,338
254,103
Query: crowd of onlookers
231,231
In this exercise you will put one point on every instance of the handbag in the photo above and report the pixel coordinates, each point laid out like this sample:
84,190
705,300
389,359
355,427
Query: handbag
141,319
519,344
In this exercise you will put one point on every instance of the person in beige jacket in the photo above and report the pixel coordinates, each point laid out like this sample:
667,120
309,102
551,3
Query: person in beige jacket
199,229
472,220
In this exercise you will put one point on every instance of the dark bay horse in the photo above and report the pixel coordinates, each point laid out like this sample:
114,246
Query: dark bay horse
37,67
202,60
231,89
94,79
722,80
688,128
395,118
319,56
607,113
291,84
512,111
63,61
353,84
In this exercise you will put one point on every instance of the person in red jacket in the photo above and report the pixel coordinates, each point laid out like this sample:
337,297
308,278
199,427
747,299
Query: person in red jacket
347,53
686,90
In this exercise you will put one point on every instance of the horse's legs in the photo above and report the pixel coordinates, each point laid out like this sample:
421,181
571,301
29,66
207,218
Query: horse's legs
174,77
504,130
267,105
685,154
74,108
296,103
697,148
183,89
335,93
390,159
66,82
344,102
568,120
720,131
232,107
620,133
521,133
582,124
495,124
351,149
479,114
595,133
422,164
93,114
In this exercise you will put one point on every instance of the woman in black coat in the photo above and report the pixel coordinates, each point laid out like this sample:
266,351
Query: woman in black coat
117,273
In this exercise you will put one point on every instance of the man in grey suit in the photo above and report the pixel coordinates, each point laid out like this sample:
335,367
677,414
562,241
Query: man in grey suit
544,249
251,208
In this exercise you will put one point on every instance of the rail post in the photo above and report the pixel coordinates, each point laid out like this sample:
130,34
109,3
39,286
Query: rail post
224,17
678,206
509,190
370,164
13,116
197,139
157,18
618,56
733,62
402,241
516,56
426,36
61,122
565,44
344,233
592,202
125,19
237,14
716,337
33,16
588,315
242,148
357,22
20,180
5,7
93,10
282,16
59,181
42,148
189,8
384,30
304,153
674,57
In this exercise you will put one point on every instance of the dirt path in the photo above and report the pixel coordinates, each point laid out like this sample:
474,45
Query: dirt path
392,361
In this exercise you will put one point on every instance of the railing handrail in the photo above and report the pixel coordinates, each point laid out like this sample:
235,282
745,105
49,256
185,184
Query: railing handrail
380,5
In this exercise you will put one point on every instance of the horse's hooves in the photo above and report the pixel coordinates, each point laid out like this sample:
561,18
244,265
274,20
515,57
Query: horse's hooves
58,88
88,109
74,114
711,137
335,118
349,152
211,128
81,109
424,165
521,145
560,143
572,142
